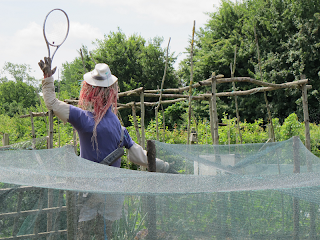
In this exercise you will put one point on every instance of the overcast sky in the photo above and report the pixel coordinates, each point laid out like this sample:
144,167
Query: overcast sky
21,21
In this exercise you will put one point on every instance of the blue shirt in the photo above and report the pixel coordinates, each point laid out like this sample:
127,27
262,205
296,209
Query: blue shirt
108,134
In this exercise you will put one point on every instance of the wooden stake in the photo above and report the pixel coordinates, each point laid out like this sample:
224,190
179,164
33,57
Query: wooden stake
50,215
214,111
92,58
211,119
233,69
50,191
136,123
296,169
313,210
59,134
71,215
264,94
162,84
191,83
142,119
151,200
163,124
32,131
151,154
50,134
306,118
5,139
83,63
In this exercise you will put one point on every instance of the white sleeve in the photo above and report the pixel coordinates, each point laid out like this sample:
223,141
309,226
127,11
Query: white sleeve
60,109
137,155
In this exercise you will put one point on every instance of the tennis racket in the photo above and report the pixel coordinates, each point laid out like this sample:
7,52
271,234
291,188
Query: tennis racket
55,29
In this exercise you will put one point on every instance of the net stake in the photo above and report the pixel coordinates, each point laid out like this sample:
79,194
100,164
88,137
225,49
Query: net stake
151,200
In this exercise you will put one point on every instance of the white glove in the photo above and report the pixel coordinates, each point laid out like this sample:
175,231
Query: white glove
60,109
137,155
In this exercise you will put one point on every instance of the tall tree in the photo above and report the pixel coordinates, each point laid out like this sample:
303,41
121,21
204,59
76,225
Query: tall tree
287,31
136,63
19,72
16,97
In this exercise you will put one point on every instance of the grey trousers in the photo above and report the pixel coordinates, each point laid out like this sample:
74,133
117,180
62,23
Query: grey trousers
94,229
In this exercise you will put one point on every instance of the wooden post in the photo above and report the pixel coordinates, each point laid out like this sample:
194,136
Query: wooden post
49,146
229,133
151,154
233,69
296,169
306,116
136,123
264,93
163,124
142,119
151,200
71,215
32,131
50,133
211,119
49,214
214,110
237,114
83,63
15,229
38,216
191,82
5,139
205,119
157,123
162,83
309,163
270,117
75,141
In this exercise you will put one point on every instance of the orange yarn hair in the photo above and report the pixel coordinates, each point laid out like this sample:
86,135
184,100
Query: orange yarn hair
98,100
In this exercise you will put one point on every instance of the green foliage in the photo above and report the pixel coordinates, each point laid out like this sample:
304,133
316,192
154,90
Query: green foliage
291,127
136,63
132,221
16,97
174,114
255,132
20,72
287,32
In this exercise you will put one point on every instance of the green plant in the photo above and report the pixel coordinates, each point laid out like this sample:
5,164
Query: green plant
132,220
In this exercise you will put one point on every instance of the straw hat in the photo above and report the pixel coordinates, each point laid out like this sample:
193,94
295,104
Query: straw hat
101,76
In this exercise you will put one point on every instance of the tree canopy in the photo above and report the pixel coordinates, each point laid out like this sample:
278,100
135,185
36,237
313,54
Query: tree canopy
287,32
136,63
19,72
17,97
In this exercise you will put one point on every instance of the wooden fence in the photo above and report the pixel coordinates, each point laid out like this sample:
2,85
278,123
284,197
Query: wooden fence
175,96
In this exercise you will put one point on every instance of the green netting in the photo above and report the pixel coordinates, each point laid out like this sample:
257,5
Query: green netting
244,191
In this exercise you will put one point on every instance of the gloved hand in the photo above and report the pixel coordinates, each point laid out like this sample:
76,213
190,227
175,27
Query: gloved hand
164,167
46,67
171,170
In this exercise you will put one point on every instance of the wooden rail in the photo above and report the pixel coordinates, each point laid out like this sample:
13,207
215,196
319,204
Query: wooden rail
52,229
34,211
42,234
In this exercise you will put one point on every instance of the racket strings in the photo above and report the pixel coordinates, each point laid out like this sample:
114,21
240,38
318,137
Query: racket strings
56,28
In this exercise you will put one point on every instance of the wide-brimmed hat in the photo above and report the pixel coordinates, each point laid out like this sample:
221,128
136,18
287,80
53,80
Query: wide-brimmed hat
101,76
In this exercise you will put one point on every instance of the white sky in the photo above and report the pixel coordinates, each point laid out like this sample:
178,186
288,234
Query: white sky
21,39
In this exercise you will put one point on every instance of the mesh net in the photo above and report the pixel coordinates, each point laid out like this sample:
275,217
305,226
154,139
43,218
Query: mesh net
245,191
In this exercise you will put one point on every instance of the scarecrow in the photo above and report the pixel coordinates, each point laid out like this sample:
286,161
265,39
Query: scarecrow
100,134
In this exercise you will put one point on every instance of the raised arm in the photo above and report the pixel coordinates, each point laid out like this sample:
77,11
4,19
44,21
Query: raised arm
60,109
